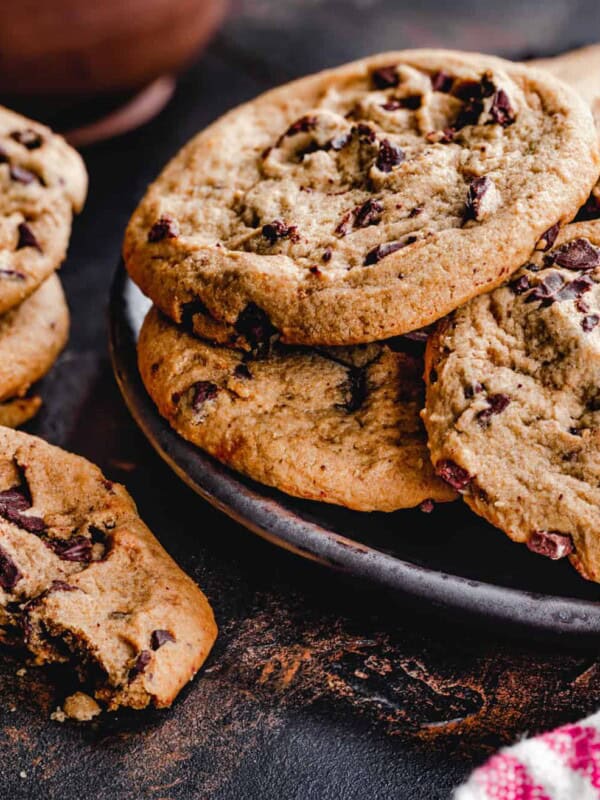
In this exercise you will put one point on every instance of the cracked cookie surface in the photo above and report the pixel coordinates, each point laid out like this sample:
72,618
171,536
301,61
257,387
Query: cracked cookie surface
43,182
31,338
513,401
83,581
340,425
368,200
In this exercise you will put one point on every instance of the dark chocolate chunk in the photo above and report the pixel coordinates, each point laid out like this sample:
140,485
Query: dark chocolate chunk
389,156
164,228
475,194
497,403
385,77
589,210
501,111
552,544
579,254
368,214
189,311
202,392
549,237
589,322
326,257
457,477
278,229
364,132
22,175
26,237
546,289
78,549
12,504
356,389
520,285
28,138
140,664
441,81
242,371
10,574
255,325
303,125
383,250
412,103
160,637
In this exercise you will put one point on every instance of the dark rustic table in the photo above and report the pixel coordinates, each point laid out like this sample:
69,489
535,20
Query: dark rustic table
316,688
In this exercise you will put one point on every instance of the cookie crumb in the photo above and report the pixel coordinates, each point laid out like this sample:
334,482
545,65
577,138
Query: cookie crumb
58,715
81,707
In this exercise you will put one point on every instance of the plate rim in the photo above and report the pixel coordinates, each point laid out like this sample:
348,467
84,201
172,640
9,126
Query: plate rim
573,621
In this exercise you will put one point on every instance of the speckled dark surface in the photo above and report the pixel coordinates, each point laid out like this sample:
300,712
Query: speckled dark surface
317,688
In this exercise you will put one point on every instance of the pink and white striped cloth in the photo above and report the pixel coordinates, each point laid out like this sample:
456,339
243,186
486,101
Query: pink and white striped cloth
561,765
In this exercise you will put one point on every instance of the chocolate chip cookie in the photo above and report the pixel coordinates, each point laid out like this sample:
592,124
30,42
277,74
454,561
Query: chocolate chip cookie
368,200
340,425
31,337
513,401
84,582
42,183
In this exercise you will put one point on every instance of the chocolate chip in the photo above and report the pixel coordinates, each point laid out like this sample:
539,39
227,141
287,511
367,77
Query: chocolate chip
497,403
552,544
10,574
22,175
314,270
203,391
385,77
164,228
278,229
368,214
160,637
12,503
326,257
589,210
364,132
356,390
389,156
344,226
589,322
475,194
520,285
457,477
140,664
303,125
427,506
26,237
471,389
501,111
577,254
16,498
412,103
547,289
255,325
28,138
242,371
548,237
441,81
77,549
189,311
383,250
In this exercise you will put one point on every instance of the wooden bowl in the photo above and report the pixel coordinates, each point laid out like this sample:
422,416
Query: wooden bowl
81,47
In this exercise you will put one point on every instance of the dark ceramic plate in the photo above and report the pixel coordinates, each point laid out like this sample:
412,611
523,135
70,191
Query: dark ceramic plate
450,559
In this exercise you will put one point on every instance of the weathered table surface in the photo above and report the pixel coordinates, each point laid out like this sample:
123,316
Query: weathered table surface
316,688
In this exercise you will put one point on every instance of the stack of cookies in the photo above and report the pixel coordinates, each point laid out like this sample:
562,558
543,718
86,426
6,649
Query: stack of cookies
43,183
303,251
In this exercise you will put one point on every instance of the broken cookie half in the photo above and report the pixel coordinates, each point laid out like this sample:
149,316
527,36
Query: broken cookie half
84,582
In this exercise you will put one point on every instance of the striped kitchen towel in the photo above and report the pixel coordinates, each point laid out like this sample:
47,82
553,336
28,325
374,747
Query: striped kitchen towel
561,765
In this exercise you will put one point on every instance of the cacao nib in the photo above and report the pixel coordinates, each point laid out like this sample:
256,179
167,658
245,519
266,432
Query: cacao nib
457,477
383,250
385,77
26,237
549,237
160,637
78,549
28,138
441,81
497,403
164,228
578,254
140,664
22,175
242,371
589,322
552,544
278,229
520,285
475,194
389,156
356,389
255,325
10,574
303,125
202,392
501,111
